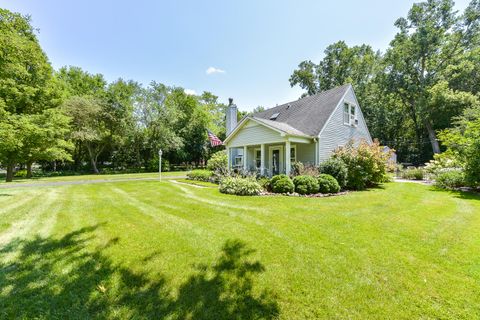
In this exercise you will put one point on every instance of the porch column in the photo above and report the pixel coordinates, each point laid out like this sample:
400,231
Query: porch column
288,165
229,161
262,159
245,165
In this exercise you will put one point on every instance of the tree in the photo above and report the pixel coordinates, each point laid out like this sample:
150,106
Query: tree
27,88
89,126
432,37
463,142
11,143
44,138
341,64
25,74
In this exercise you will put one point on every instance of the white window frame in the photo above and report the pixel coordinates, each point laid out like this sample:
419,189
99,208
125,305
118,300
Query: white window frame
293,159
346,113
238,161
257,159
351,117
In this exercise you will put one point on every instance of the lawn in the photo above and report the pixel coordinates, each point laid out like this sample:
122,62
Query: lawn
89,177
149,249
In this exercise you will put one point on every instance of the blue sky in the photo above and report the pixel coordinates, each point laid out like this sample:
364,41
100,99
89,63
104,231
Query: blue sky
249,47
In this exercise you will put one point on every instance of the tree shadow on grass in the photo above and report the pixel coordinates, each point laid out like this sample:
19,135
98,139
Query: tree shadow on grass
467,195
69,278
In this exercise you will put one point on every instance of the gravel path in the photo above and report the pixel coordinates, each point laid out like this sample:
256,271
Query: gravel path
74,182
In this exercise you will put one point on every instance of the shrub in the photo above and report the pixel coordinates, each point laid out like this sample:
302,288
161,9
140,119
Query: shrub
282,184
413,174
218,162
265,184
297,168
200,175
240,186
21,173
450,179
366,164
337,169
304,169
305,184
328,184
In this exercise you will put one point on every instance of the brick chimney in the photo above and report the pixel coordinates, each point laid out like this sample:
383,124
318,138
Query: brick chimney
231,116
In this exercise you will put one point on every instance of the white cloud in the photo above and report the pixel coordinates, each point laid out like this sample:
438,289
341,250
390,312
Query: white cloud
190,92
212,70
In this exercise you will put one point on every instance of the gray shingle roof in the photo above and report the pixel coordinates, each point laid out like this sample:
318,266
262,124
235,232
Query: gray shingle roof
306,116
281,126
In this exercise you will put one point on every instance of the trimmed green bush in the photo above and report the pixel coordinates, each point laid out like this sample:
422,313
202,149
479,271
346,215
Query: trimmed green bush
337,169
413,174
305,184
240,186
282,184
452,179
327,184
200,175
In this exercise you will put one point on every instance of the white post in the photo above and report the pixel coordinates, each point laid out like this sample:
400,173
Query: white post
245,165
228,158
288,165
262,159
160,164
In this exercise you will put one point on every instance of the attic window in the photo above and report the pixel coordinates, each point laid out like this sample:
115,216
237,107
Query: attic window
274,116
349,114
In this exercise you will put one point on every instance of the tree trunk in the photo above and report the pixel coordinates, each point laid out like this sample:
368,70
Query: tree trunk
92,160
433,137
9,172
29,170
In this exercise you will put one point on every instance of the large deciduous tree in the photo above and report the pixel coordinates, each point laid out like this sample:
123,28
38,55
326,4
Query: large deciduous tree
430,39
89,125
27,90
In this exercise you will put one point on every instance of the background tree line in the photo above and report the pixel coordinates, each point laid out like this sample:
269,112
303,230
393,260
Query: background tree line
429,74
69,119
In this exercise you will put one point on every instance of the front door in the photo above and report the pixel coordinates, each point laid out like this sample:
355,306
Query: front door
275,161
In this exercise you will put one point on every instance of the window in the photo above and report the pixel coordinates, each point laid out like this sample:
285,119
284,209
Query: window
274,116
293,154
349,114
352,115
346,114
238,161
258,158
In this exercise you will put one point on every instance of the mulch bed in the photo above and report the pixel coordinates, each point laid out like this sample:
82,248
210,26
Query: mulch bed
315,195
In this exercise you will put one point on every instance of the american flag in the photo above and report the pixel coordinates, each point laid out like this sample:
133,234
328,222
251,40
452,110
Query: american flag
214,141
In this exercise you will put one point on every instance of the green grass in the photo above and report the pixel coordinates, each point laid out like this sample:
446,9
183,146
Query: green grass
148,249
198,183
88,177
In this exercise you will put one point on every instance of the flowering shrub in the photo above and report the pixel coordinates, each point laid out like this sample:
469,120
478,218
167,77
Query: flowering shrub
366,164
218,162
450,179
200,175
413,174
240,186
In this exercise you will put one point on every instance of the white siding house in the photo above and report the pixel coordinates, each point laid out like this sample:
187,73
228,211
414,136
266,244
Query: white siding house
307,130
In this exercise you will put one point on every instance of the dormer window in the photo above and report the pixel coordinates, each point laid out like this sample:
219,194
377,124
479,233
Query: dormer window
349,114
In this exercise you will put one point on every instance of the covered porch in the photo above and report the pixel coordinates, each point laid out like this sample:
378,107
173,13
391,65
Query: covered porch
269,159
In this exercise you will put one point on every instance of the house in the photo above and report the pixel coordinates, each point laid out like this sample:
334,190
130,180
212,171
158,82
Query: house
307,130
